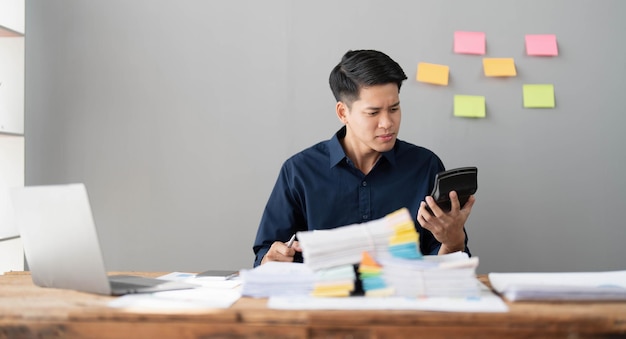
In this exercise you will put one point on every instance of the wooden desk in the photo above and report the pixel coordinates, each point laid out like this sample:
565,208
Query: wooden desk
27,311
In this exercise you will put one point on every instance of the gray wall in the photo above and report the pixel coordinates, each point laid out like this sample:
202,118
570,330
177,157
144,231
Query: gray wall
178,114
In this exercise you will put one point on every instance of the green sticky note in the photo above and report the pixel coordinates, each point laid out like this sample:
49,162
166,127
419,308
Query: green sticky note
469,106
538,96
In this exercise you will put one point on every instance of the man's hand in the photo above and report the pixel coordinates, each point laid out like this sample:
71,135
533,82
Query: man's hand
280,252
447,227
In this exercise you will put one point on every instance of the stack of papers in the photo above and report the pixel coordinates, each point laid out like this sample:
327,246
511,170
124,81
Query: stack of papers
334,282
487,301
276,279
609,285
451,275
346,244
390,262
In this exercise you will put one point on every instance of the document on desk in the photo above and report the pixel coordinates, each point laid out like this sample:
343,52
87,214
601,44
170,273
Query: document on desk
212,294
204,281
277,278
608,285
190,300
487,302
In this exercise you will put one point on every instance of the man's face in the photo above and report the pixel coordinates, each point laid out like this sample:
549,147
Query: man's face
373,121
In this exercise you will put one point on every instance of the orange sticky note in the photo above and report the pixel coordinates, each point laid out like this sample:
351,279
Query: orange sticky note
469,42
367,260
433,73
499,67
541,45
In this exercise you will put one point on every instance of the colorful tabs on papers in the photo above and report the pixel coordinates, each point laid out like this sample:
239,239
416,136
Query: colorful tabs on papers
368,261
335,281
538,96
404,241
406,251
370,273
541,45
469,106
433,73
469,42
499,67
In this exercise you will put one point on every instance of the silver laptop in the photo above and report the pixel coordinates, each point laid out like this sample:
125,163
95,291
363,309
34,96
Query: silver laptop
61,243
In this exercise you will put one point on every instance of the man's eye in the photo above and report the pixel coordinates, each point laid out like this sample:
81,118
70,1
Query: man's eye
371,113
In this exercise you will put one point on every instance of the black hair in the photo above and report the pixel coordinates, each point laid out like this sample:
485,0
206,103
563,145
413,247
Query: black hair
363,68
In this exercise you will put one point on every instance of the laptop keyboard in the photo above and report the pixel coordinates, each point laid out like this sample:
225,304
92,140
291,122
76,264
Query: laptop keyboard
130,282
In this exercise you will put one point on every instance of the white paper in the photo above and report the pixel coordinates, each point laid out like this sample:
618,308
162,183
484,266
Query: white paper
212,294
177,276
213,282
195,299
608,285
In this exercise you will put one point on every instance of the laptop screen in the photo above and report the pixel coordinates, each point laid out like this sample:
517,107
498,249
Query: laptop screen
59,237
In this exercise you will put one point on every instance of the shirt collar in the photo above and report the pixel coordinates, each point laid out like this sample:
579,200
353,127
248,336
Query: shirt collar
337,154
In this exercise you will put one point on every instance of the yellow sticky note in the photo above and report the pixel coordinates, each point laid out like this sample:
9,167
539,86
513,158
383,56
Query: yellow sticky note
433,73
404,239
469,106
381,292
538,96
499,67
334,293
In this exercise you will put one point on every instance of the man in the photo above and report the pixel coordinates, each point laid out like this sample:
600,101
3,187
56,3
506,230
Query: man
363,172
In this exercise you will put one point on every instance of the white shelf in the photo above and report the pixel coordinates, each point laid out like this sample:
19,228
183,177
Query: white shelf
12,85
11,175
12,28
11,255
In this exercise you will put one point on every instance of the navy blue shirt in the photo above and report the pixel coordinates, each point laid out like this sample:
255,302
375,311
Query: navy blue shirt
320,188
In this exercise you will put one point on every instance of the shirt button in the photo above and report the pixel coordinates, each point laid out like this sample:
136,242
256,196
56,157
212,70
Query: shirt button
364,183
365,216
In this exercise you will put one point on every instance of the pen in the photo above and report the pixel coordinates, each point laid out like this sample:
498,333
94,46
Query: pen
290,242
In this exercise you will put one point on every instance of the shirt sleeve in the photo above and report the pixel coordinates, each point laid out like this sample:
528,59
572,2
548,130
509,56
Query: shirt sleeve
282,215
434,245
428,244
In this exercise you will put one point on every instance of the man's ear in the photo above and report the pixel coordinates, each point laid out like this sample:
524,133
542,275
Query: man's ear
342,111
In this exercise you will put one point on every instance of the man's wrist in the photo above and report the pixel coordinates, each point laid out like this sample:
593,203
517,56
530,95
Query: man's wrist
445,249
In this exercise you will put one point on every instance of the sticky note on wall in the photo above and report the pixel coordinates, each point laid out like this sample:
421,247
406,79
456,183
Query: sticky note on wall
433,73
538,96
469,42
469,106
499,67
541,45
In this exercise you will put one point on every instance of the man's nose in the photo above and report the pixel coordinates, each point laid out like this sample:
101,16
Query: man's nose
384,120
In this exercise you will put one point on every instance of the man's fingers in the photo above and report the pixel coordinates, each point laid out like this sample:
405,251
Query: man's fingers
454,201
296,246
422,213
436,211
470,203
280,252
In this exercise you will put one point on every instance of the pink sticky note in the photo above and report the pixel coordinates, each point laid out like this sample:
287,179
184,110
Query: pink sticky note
541,45
469,42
